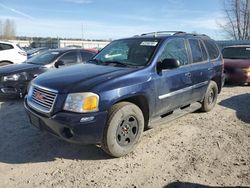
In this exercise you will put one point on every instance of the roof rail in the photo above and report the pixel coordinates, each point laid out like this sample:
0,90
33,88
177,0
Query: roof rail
155,34
163,33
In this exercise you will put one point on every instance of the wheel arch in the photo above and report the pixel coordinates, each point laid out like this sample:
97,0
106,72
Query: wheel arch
142,102
218,81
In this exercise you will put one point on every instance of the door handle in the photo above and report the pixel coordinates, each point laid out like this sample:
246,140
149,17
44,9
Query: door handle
210,69
188,74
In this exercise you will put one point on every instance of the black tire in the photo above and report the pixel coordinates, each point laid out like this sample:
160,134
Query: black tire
123,130
210,98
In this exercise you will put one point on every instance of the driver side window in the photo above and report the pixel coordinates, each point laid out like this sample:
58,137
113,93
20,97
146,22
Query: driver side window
175,49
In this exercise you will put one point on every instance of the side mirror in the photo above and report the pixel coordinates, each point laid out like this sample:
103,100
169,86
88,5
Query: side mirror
59,63
168,64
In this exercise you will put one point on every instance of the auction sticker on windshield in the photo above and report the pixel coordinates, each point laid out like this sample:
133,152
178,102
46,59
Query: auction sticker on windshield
149,43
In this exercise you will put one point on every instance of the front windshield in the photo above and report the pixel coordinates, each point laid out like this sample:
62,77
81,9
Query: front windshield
236,53
127,52
44,58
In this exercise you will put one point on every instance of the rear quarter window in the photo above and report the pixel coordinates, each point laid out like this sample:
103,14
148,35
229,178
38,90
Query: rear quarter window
212,49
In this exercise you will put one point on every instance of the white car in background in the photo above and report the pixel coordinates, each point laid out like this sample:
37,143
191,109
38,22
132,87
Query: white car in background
11,53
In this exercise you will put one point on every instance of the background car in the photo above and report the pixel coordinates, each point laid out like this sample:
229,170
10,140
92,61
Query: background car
237,64
35,51
11,53
14,79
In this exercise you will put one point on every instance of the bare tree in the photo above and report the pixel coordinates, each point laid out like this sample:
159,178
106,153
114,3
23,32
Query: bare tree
237,17
9,29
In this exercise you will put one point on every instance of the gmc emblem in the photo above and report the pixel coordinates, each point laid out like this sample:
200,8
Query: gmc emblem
39,96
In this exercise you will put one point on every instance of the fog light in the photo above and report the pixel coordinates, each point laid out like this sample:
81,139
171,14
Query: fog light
86,119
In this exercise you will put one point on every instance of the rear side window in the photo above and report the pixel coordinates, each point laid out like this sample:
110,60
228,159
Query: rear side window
204,52
196,50
5,46
212,49
175,49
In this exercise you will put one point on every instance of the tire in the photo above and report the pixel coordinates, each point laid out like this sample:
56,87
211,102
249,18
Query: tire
210,98
123,129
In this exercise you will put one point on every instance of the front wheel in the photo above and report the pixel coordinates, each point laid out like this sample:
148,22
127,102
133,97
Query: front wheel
210,98
123,130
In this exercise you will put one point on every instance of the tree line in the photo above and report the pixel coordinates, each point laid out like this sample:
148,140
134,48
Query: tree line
7,29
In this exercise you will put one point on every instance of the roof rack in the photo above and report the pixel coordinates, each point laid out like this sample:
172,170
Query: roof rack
163,33
155,34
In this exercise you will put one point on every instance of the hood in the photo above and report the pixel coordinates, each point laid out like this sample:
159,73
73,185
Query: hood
79,78
237,63
17,68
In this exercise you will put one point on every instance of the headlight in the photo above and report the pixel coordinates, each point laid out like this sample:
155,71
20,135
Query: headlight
15,77
82,102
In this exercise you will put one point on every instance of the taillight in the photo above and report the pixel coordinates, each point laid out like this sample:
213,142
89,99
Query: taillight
22,53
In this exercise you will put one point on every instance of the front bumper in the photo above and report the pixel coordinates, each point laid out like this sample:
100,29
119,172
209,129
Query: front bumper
238,77
67,125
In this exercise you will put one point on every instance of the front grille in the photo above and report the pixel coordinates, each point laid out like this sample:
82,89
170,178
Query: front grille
43,99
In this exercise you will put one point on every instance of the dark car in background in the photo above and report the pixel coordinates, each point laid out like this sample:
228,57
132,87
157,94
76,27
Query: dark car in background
111,99
237,64
35,51
14,79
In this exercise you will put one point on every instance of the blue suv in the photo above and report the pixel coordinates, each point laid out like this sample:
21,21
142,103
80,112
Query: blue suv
112,99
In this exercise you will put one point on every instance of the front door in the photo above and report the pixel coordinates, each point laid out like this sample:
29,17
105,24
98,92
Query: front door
174,86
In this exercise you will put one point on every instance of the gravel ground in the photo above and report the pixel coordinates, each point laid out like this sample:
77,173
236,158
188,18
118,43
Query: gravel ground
197,150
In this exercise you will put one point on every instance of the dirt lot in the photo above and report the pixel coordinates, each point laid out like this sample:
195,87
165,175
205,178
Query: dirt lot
210,149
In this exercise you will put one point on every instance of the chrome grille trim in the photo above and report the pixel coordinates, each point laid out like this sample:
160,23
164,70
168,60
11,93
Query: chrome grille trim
44,104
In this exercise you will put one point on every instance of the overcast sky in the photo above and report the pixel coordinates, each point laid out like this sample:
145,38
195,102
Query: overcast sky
105,19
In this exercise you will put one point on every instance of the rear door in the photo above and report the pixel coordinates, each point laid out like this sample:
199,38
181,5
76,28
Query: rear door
174,85
200,70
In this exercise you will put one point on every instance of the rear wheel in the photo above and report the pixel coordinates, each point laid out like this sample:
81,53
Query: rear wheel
210,98
123,130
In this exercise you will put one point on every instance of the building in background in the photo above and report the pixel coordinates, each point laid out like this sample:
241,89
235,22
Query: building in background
60,43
